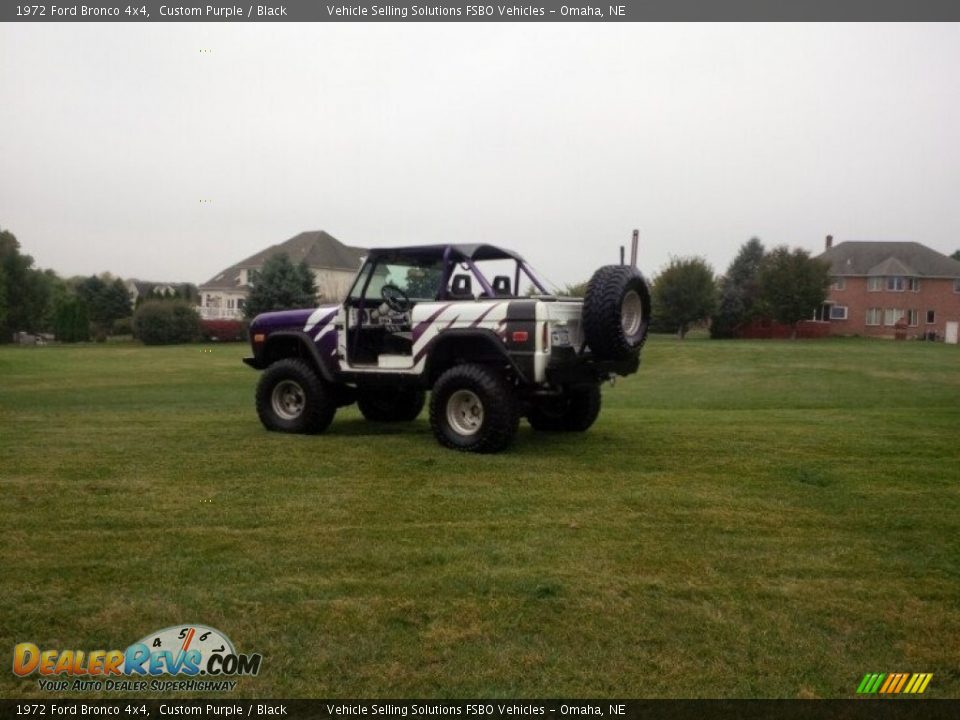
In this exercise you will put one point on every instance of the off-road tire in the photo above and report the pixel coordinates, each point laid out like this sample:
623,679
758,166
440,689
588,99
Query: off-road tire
388,404
573,411
499,417
311,406
610,333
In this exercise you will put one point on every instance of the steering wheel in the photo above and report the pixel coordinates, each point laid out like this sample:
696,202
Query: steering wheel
395,298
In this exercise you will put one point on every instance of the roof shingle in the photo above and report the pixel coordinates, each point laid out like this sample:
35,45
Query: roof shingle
889,258
317,247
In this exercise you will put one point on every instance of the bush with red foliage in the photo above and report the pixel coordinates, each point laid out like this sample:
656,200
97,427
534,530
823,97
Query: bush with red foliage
224,330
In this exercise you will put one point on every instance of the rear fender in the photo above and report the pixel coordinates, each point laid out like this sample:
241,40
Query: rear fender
469,345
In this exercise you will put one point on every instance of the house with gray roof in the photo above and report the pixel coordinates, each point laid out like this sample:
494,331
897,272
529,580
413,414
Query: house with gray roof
881,287
333,264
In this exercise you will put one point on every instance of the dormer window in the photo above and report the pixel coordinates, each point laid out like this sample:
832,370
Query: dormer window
896,283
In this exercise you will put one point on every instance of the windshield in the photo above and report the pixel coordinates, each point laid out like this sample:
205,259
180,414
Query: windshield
417,278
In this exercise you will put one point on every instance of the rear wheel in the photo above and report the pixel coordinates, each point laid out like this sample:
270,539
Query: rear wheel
573,411
473,409
291,398
386,404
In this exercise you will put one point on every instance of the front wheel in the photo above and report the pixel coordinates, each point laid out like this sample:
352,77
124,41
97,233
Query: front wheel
473,409
291,398
575,410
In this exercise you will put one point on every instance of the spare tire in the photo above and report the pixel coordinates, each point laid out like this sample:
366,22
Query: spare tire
616,312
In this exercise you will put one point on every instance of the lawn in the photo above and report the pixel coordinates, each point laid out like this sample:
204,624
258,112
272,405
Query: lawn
746,519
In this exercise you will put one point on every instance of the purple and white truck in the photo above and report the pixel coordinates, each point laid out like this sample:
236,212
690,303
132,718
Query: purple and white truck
450,319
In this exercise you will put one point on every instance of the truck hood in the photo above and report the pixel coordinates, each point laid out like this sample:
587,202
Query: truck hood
304,319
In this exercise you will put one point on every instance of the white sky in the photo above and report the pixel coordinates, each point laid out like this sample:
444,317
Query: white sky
552,139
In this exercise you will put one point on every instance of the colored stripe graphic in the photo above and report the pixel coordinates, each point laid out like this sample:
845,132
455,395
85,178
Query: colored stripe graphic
890,681
902,682
894,683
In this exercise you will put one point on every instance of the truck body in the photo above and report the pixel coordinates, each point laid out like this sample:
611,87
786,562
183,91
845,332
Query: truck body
416,314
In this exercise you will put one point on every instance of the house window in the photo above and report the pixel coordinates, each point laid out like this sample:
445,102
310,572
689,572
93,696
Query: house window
956,285
873,316
914,284
839,283
913,318
891,315
230,303
931,317
896,283
838,312
875,284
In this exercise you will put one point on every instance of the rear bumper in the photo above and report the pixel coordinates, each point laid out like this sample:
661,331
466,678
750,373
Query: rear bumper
566,367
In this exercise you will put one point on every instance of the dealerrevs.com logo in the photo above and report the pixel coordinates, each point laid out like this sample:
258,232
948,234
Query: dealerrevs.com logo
186,652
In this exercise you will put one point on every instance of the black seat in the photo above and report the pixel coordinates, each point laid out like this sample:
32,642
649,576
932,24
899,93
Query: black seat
461,287
501,285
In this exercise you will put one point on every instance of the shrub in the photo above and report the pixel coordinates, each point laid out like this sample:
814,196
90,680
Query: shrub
123,326
159,322
224,330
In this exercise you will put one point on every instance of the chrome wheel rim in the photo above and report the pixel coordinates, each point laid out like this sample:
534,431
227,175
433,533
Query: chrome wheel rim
631,313
465,412
288,399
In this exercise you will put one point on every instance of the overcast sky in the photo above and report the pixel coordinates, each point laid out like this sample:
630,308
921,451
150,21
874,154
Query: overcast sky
552,139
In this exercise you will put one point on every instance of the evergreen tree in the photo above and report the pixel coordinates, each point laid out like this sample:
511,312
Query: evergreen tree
281,285
107,300
740,299
71,320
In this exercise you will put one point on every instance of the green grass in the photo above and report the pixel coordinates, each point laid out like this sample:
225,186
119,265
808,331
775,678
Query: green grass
746,519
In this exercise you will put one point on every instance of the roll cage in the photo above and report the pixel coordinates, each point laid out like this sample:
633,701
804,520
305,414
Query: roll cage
441,263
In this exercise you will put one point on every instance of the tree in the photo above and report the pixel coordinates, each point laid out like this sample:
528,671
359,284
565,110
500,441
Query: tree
165,322
3,300
281,285
683,293
793,285
71,320
578,290
740,299
956,255
107,300
26,290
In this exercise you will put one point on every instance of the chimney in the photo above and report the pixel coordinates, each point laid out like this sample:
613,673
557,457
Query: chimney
829,242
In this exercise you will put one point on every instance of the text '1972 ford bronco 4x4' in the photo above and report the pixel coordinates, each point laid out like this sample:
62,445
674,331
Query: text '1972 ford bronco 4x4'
450,319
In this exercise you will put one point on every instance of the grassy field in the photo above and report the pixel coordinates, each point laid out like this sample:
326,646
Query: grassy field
746,519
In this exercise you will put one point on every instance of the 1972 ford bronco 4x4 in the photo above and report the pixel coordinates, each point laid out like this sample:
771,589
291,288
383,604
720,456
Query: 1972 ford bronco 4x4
450,319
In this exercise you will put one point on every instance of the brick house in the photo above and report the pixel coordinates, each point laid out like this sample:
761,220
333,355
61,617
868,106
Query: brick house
878,284
334,266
